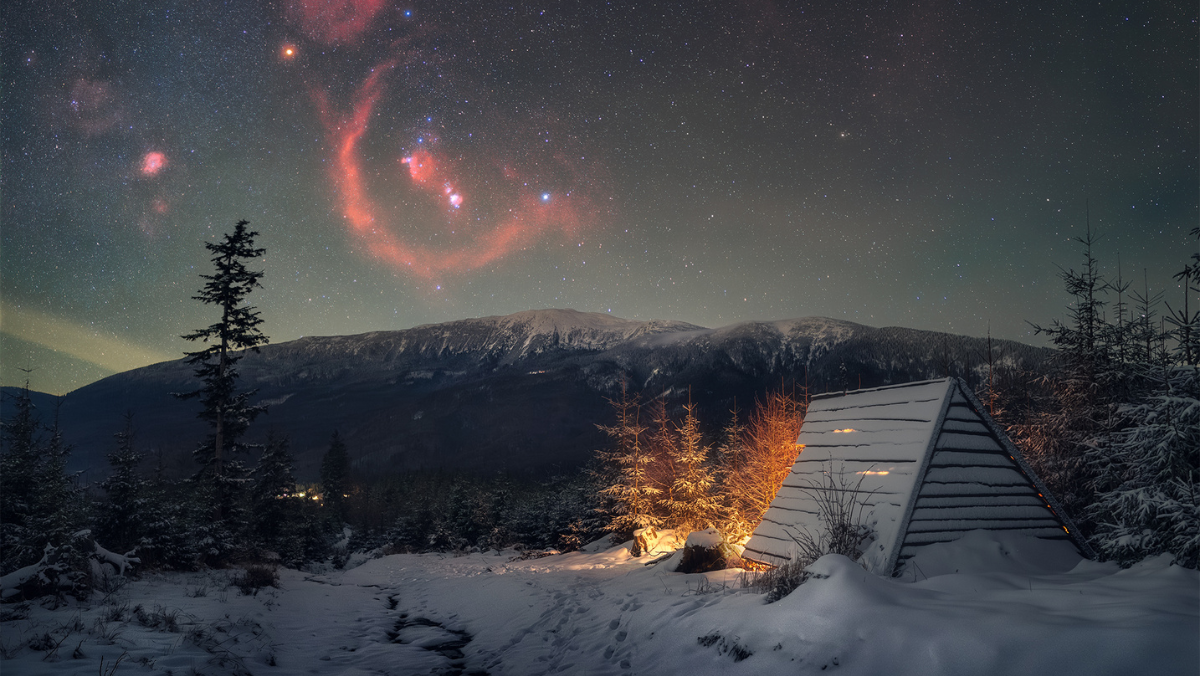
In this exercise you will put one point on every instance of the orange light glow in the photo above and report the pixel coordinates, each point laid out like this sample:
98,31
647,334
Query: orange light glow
845,431
289,52
872,472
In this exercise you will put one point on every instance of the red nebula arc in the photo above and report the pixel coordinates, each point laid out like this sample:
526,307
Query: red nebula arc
519,213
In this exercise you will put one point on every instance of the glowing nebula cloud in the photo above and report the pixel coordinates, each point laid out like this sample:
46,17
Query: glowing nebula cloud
93,107
478,211
333,21
153,162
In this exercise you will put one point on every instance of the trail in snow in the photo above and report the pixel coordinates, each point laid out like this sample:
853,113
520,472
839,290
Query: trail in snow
986,605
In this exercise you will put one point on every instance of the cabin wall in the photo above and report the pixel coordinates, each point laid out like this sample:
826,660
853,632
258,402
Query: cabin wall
973,483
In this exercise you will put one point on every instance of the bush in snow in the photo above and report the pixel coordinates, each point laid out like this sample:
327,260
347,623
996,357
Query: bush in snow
840,509
254,577
706,550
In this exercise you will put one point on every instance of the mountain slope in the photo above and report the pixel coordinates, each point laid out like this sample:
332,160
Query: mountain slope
520,392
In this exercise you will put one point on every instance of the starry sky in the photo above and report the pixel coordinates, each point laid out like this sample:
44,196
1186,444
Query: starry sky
922,164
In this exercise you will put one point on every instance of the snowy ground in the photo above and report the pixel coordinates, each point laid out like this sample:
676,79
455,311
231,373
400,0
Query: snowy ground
981,606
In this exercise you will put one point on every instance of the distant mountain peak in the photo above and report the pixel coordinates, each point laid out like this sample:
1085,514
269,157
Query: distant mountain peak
517,391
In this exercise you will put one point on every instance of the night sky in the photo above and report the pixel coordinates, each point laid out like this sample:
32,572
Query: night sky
916,164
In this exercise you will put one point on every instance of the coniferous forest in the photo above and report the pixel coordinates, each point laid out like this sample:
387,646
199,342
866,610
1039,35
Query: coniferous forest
1113,428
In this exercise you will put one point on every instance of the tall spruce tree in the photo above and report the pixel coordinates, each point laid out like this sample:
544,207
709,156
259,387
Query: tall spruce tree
227,411
1081,411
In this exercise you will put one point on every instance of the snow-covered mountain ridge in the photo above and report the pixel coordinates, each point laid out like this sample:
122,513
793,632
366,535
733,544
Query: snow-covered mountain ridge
516,392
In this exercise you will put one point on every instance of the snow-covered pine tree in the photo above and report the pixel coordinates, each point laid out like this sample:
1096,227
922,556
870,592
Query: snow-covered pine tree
227,411
1082,410
632,494
731,455
1185,320
272,499
119,517
173,524
18,483
43,514
1148,477
1148,488
335,479
693,504
662,445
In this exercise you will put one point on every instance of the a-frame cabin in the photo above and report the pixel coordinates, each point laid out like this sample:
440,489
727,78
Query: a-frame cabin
933,466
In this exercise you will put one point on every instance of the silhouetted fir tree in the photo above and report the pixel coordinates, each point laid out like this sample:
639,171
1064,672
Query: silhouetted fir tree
227,411
18,483
335,479
1186,320
272,495
1082,410
61,508
1144,334
120,516
43,516
173,522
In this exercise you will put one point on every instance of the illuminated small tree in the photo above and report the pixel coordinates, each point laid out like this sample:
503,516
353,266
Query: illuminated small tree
631,491
768,451
662,444
693,506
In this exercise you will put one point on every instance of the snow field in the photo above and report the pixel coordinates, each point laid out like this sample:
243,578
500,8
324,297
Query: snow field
988,604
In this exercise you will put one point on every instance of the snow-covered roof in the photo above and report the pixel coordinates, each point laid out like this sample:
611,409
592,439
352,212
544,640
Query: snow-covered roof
928,463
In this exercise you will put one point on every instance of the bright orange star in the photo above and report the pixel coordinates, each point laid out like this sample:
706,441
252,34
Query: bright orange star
288,52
